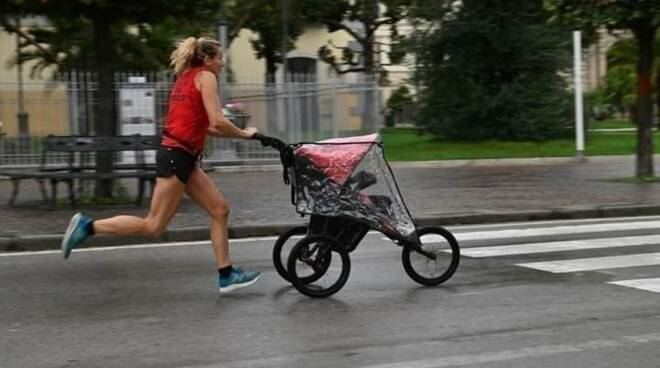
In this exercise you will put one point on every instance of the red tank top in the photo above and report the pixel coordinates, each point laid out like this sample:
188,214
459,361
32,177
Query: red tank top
187,121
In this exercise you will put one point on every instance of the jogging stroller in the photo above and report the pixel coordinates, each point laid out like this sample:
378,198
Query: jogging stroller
347,188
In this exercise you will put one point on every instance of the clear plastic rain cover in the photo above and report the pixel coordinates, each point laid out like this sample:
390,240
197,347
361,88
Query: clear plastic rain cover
349,177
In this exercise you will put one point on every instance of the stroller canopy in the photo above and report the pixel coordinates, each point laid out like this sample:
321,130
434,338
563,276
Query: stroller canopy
349,177
338,157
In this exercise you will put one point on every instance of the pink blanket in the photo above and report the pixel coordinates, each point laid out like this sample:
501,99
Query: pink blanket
337,161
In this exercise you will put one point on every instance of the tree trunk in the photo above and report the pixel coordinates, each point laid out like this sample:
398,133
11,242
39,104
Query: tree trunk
271,68
644,107
104,109
657,93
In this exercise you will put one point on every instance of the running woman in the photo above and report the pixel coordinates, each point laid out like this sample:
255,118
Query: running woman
194,112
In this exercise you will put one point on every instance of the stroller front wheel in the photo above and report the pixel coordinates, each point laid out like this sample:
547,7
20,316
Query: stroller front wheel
311,269
436,258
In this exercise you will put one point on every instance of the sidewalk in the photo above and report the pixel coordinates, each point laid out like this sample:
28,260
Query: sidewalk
442,192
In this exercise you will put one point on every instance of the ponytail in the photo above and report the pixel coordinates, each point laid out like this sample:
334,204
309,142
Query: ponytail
191,52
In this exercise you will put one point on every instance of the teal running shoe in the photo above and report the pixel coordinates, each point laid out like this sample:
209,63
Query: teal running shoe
237,279
76,234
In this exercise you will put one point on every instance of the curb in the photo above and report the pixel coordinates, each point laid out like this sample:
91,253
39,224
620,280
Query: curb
268,165
52,241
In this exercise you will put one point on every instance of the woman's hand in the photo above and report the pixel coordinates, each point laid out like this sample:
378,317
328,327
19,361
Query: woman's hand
250,131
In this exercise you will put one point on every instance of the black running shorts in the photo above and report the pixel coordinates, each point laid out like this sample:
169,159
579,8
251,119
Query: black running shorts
175,161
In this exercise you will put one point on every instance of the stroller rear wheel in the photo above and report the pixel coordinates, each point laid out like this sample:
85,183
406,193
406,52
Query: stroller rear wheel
435,259
312,259
282,247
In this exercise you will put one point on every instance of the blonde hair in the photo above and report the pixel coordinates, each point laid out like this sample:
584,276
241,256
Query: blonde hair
191,51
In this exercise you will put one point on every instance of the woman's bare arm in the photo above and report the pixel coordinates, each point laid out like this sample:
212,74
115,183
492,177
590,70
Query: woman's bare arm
219,125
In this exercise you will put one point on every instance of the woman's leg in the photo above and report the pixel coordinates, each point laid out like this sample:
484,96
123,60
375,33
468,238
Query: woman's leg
164,203
202,190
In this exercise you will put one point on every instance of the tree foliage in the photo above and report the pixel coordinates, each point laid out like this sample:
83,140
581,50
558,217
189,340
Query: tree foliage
361,19
617,93
623,55
267,19
104,36
139,35
398,106
491,71
642,18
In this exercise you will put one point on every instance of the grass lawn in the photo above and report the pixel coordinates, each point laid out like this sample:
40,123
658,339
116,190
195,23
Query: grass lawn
612,124
404,144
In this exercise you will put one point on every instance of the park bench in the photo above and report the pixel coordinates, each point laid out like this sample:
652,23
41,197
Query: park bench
80,166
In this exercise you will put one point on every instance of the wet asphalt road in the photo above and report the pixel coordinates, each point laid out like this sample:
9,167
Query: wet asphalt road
159,307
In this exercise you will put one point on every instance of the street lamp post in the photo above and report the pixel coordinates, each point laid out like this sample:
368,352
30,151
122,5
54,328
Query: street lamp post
287,106
223,25
224,146
22,115
285,38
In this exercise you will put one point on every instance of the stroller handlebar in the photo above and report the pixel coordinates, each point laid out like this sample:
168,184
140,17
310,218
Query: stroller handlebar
267,141
286,155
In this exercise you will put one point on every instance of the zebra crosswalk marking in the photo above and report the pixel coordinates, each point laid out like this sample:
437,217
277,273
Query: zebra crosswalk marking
545,231
595,263
650,284
556,230
559,246
575,264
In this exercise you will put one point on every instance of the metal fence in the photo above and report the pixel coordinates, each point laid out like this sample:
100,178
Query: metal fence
301,109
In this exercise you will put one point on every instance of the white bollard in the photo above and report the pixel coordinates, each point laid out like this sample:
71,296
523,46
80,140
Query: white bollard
579,114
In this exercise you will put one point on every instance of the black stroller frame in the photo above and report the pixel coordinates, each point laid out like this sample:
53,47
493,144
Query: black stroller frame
341,215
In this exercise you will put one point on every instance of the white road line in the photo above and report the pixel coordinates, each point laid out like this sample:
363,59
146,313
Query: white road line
559,246
102,249
486,227
652,284
596,263
556,230
138,246
153,245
